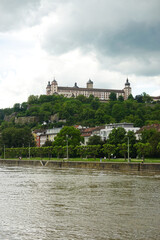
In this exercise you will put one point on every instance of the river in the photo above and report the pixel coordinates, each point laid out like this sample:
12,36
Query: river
47,204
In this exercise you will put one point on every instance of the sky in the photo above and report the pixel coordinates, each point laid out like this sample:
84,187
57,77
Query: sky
106,41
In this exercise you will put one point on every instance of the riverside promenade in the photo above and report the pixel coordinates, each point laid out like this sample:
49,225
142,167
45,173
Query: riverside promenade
118,166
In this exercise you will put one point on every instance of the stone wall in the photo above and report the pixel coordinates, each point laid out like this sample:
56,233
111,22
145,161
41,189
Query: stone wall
126,167
24,120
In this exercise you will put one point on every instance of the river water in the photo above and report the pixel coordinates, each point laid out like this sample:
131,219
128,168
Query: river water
45,203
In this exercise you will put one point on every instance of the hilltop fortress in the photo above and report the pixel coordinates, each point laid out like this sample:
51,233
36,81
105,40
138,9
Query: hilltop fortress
102,94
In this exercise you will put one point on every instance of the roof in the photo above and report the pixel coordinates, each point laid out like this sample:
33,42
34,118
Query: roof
127,83
90,89
158,97
155,126
90,130
89,81
86,134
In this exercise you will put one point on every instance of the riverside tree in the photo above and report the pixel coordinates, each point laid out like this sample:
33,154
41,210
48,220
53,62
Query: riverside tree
68,135
143,149
109,149
123,149
17,137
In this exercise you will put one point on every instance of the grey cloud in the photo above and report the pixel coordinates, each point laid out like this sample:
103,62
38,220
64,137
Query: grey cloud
121,31
118,32
16,13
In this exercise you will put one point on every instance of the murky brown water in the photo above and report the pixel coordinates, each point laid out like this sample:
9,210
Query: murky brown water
44,203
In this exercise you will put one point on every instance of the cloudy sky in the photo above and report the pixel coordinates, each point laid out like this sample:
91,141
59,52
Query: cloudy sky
74,40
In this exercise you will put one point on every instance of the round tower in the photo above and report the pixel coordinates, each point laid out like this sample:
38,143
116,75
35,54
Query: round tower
89,84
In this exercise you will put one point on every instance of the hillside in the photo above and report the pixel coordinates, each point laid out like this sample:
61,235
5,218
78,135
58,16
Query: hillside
56,110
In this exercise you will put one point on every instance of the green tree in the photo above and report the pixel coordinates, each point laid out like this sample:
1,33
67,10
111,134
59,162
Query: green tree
112,96
117,136
95,140
109,149
151,136
130,97
143,149
158,147
24,106
121,98
58,150
17,107
118,112
92,150
123,149
82,98
139,98
81,150
69,135
17,137
146,98
95,103
47,143
33,99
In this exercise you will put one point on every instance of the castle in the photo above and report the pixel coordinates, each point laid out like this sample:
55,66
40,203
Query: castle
102,94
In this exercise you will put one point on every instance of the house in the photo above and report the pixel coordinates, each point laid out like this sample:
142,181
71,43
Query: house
88,132
41,136
52,133
104,133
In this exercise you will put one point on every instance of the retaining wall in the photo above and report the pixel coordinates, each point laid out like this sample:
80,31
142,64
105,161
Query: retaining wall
153,167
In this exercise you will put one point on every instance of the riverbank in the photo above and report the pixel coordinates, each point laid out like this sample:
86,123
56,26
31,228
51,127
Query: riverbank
118,166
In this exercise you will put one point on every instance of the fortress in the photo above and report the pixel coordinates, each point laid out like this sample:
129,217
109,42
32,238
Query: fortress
102,94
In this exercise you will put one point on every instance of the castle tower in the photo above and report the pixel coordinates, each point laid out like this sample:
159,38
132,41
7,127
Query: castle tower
127,90
54,87
89,84
48,89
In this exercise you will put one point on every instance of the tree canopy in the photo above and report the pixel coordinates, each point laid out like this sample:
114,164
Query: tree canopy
68,135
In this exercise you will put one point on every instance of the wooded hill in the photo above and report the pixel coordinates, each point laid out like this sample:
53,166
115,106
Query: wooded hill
57,110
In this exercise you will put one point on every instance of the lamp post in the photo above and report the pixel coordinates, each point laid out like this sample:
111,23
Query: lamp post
4,151
128,149
67,144
29,151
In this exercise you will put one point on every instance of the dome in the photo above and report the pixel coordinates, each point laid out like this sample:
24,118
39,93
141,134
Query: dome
49,84
54,82
89,81
127,83
75,85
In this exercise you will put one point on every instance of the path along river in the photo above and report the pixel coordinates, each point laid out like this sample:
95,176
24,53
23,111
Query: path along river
45,203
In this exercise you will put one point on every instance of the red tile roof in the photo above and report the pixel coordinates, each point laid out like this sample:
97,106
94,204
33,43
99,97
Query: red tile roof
155,126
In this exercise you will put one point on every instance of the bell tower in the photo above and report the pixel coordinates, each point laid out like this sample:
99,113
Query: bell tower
54,86
48,88
127,89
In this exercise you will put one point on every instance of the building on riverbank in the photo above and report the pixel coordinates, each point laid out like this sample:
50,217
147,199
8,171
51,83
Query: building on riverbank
45,135
104,133
89,132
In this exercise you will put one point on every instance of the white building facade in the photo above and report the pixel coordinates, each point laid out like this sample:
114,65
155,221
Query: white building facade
104,133
102,94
